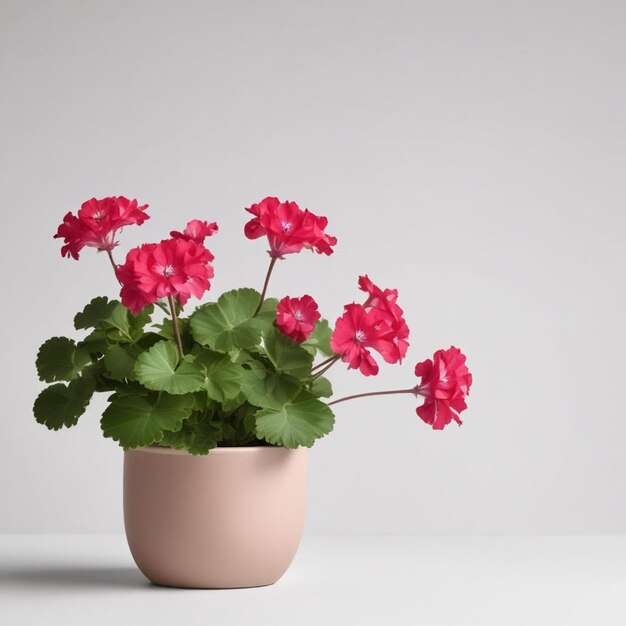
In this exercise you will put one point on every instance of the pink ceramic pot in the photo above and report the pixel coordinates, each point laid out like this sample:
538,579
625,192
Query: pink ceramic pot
233,518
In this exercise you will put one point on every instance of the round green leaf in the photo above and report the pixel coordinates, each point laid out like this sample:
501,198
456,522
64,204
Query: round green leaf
135,421
228,323
321,387
59,359
61,405
202,437
103,314
319,339
298,423
119,360
98,310
222,376
268,389
158,369
287,355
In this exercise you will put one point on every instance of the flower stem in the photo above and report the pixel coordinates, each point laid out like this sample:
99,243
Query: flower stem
372,393
179,343
325,362
332,361
265,284
113,264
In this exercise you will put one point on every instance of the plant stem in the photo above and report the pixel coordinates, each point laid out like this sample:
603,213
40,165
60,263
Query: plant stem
265,284
179,343
113,264
372,393
325,362
332,360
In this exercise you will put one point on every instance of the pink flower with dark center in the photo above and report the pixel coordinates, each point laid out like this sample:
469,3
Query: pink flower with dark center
288,228
357,330
197,230
296,317
445,384
98,223
174,267
385,300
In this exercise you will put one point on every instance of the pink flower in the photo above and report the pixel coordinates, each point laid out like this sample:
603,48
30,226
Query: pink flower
132,295
74,236
196,230
288,228
98,223
296,317
385,301
357,330
174,267
445,384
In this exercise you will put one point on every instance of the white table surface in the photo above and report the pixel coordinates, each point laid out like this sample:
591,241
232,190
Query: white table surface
91,579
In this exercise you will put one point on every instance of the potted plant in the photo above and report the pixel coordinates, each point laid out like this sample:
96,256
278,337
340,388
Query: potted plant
215,410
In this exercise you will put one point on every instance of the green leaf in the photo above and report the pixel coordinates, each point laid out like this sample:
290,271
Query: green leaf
203,403
197,438
265,318
319,339
60,359
298,423
98,310
228,324
139,321
202,437
120,320
268,308
166,328
61,405
321,388
230,405
239,356
95,343
158,369
147,340
174,440
135,421
119,360
223,377
103,314
287,356
271,390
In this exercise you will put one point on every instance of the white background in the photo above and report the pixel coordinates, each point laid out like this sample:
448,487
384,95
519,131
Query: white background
469,154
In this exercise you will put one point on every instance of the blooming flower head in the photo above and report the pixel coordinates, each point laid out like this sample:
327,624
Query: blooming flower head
357,330
445,383
174,267
132,295
296,317
97,224
288,228
385,301
197,230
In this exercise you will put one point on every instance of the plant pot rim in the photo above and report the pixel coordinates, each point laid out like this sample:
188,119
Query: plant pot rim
218,450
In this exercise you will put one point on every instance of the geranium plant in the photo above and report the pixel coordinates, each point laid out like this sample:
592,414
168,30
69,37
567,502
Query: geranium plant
242,370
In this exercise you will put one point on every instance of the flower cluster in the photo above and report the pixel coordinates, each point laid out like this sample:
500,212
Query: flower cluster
98,223
445,383
377,324
179,267
296,317
288,228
